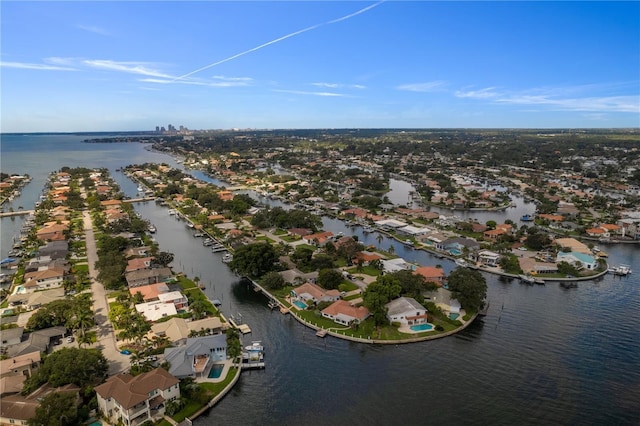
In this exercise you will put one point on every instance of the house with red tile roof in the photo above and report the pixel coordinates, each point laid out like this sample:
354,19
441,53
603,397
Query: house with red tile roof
319,238
343,313
315,293
431,274
135,400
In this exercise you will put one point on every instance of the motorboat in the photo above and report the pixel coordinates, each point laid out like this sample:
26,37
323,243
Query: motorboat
621,270
228,257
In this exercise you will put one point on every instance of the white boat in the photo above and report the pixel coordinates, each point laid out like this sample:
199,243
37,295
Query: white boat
171,211
152,228
256,346
140,188
461,262
527,279
228,257
621,270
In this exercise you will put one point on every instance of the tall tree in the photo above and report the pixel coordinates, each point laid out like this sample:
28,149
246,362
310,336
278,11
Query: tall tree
254,260
469,287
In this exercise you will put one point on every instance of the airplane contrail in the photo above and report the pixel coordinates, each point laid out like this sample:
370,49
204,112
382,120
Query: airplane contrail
304,30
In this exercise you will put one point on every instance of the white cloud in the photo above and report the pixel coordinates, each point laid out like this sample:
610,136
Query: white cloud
225,78
488,92
29,66
338,85
127,67
431,86
602,103
195,82
301,92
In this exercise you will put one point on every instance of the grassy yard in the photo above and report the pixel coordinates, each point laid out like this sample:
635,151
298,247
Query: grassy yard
290,238
206,392
368,270
264,238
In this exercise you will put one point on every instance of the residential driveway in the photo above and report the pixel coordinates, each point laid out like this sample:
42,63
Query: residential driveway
105,334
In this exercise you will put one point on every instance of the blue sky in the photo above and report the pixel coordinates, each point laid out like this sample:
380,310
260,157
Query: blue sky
101,66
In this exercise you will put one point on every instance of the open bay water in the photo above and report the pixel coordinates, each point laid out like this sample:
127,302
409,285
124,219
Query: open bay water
542,355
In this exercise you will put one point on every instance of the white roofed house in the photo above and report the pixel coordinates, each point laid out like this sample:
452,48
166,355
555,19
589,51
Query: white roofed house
406,311
488,258
153,311
396,264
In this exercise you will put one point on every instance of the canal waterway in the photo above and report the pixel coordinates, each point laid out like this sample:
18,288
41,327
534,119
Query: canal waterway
542,355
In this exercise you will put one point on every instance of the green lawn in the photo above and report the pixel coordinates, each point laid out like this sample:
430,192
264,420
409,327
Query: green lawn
264,238
280,232
289,238
367,270
206,392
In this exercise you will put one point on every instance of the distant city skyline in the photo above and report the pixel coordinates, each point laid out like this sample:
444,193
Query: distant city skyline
130,66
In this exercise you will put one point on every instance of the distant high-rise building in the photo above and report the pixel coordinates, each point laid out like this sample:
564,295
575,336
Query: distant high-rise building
157,129
162,129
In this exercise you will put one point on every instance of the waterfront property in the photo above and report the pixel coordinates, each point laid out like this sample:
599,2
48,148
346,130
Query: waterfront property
195,358
134,400
342,312
406,311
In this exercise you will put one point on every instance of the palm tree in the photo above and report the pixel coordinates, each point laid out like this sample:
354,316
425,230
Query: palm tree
391,249
379,238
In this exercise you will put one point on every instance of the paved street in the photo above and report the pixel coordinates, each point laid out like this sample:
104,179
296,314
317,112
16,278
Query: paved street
106,338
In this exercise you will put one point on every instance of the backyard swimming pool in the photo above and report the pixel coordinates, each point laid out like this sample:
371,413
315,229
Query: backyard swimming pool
422,327
454,316
300,304
215,371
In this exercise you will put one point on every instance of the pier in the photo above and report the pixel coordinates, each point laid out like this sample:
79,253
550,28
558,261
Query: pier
17,213
138,200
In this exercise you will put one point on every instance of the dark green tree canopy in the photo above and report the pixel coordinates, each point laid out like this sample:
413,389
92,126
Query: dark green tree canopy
81,367
469,287
329,278
254,260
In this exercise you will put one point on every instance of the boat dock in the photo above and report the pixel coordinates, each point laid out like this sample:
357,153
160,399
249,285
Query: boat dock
322,332
17,213
244,328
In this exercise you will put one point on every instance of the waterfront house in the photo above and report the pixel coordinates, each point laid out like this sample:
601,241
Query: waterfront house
406,311
431,274
318,239
125,399
572,245
137,251
177,330
488,258
458,243
315,293
343,313
196,356
577,259
395,265
54,249
147,276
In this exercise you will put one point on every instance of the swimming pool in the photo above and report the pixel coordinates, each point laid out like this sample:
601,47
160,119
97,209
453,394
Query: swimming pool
215,371
422,327
455,252
454,316
300,304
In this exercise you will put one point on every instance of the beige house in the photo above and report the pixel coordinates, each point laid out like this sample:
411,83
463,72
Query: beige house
134,400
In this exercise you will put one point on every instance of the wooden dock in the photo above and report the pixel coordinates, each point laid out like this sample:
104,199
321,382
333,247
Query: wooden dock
17,213
321,333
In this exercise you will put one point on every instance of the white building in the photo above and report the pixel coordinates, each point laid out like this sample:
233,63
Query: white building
406,311
153,311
